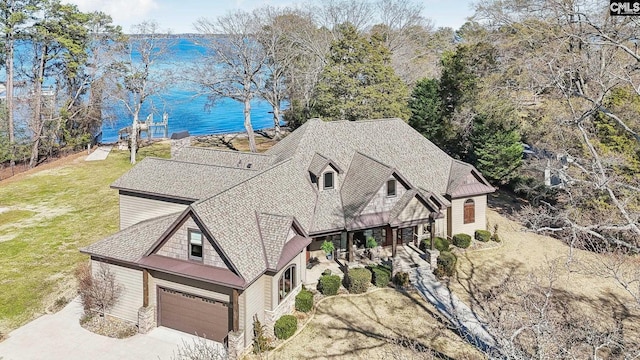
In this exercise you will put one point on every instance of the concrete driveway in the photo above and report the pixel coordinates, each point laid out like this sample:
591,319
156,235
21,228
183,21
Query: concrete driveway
59,336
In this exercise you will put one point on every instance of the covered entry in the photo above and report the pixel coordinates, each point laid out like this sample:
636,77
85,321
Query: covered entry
193,314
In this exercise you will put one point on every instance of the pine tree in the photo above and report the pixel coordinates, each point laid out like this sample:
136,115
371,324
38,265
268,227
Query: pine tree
426,112
497,148
358,81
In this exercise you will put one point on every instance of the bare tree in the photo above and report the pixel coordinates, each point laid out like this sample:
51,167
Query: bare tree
200,349
578,60
235,65
98,290
141,77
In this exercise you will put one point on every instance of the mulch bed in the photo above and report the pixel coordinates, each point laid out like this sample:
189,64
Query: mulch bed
109,326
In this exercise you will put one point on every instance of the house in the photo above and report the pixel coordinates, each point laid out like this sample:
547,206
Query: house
213,238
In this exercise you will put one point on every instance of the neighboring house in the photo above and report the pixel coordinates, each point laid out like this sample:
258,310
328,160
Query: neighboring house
211,238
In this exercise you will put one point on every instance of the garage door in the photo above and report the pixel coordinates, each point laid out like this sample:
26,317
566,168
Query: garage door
193,314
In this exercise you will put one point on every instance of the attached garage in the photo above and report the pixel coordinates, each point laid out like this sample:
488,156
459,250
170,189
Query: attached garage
193,314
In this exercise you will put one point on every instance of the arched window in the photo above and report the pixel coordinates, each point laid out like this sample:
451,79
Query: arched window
469,212
287,282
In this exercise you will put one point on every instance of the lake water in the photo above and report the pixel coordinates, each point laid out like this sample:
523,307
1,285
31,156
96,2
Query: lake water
184,109
187,112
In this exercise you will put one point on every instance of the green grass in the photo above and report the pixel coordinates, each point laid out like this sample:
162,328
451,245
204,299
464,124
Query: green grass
74,207
13,216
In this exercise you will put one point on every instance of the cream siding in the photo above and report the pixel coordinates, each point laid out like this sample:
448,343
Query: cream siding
381,202
134,209
268,285
457,215
414,211
130,300
177,246
336,178
254,305
441,226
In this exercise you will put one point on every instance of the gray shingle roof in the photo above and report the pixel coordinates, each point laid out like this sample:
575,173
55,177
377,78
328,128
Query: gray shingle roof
465,180
361,182
390,141
230,215
274,230
178,179
131,243
277,187
226,158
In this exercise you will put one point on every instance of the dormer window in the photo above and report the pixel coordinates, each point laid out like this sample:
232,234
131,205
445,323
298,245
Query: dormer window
328,180
195,245
391,188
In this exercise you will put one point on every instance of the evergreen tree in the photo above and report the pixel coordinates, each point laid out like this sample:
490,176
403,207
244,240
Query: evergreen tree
358,81
426,112
497,148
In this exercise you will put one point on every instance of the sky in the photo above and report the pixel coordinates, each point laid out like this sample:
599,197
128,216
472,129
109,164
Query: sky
178,16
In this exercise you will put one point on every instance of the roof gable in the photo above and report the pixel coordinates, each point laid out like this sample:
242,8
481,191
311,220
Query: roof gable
465,180
319,163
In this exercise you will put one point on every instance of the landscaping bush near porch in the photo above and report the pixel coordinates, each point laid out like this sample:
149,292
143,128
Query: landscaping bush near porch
446,264
285,327
462,240
482,235
357,280
381,275
304,300
441,244
329,284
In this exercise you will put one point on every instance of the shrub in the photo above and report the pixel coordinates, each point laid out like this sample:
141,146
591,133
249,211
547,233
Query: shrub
371,243
381,275
446,264
329,284
462,240
495,237
358,280
401,279
285,327
304,300
326,272
482,235
327,247
441,244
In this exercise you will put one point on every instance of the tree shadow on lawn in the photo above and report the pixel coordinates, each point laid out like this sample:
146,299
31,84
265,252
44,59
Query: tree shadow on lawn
510,289
354,324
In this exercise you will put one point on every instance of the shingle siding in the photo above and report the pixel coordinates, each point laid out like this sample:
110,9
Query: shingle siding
134,209
130,300
177,246
383,203
414,210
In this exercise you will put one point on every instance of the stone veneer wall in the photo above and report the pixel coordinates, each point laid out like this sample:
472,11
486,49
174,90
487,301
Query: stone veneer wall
179,144
284,308
147,319
236,345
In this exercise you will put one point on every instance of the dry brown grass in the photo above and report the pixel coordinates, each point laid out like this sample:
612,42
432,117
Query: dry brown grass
522,253
365,327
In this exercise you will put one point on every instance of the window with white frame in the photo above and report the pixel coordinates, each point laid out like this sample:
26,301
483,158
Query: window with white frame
287,282
195,245
328,180
391,188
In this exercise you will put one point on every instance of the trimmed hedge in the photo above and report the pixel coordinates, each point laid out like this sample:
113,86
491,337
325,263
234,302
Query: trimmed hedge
401,279
358,280
446,264
462,240
381,275
482,235
329,284
285,327
441,244
304,300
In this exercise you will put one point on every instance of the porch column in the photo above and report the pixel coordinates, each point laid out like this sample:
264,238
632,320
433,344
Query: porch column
432,230
236,310
350,245
145,288
394,246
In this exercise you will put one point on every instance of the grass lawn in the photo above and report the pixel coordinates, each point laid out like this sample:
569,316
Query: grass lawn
46,214
365,326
